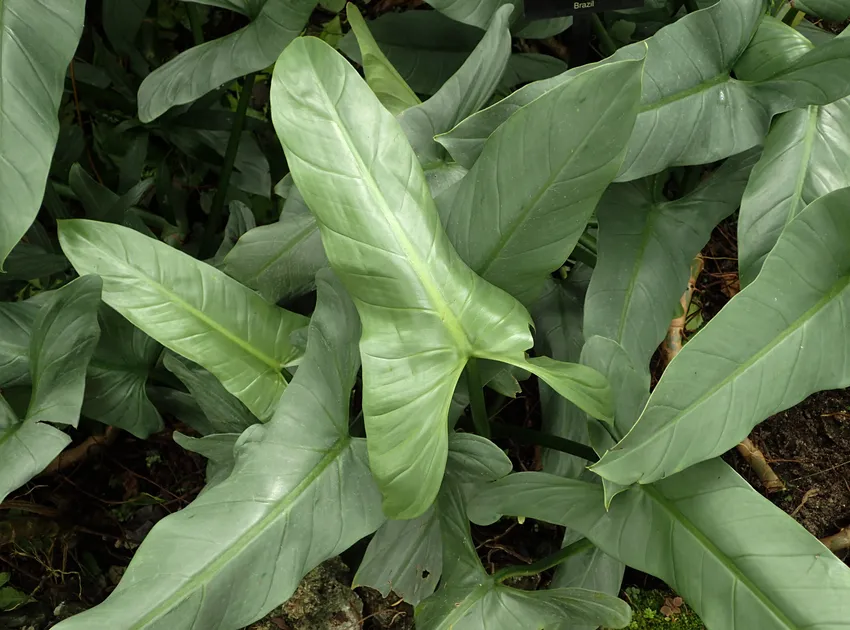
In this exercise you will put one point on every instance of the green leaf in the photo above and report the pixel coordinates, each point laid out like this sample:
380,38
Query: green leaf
64,336
470,599
774,47
541,29
33,78
240,220
16,321
835,10
463,94
181,406
381,76
406,557
300,493
190,308
517,215
26,448
203,68
117,376
480,13
28,261
250,8
280,260
224,411
424,312
645,248
101,203
737,559
774,352
11,598
805,157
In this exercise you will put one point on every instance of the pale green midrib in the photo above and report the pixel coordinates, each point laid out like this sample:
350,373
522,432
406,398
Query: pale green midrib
678,96
450,320
652,214
716,553
808,146
837,288
196,313
248,537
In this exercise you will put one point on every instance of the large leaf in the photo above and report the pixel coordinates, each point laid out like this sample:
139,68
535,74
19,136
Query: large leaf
424,312
381,76
692,110
645,248
16,321
463,94
37,41
195,72
406,557
806,156
118,374
224,411
518,213
470,599
835,10
189,307
300,492
737,559
64,336
759,355
279,261
478,13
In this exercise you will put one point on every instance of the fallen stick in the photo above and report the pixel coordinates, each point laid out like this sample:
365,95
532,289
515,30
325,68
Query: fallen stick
838,542
755,458
74,456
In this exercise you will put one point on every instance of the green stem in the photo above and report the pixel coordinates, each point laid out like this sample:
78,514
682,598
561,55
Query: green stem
691,6
195,22
476,398
608,45
552,560
793,17
217,206
538,438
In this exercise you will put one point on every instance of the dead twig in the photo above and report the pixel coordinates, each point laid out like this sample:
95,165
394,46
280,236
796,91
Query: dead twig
755,458
808,495
838,542
73,456
672,344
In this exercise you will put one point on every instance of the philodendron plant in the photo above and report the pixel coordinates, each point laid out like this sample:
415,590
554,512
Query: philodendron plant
459,243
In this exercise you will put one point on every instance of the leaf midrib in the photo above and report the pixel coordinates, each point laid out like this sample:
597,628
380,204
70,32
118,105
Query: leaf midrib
802,175
712,549
194,312
448,317
248,537
683,94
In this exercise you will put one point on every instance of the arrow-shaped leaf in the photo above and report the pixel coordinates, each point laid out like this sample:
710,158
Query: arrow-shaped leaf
759,355
38,39
424,312
300,493
737,559
189,307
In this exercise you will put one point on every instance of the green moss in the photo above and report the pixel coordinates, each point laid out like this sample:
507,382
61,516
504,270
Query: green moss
647,613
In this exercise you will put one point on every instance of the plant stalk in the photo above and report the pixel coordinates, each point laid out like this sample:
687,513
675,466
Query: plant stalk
757,461
691,6
538,438
476,398
552,560
195,23
214,220
606,43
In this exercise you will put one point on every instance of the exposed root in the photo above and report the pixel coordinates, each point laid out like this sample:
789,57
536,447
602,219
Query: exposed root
838,542
755,458
672,344
73,456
